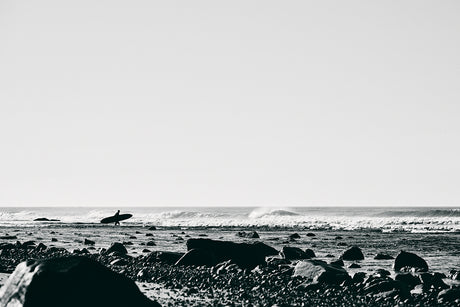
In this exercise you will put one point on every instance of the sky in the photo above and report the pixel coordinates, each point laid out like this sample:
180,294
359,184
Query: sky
229,103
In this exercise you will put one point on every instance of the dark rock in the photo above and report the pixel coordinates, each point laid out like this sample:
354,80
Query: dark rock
433,281
353,253
386,284
245,255
28,244
338,238
117,248
330,256
354,266
152,228
405,259
342,244
410,280
321,272
311,234
132,237
89,242
151,243
294,236
381,256
449,295
145,250
198,256
454,274
71,282
164,257
310,253
358,277
275,261
54,240
40,247
149,234
338,262
291,253
382,272
252,235
126,243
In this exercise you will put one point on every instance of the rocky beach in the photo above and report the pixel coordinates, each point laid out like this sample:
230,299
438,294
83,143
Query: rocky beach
236,266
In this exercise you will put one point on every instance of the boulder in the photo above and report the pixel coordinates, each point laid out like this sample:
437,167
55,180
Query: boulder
165,257
310,234
151,243
433,280
89,242
354,266
321,272
410,280
197,256
152,228
70,281
405,259
245,255
449,295
294,236
382,256
338,262
292,253
310,253
117,248
353,253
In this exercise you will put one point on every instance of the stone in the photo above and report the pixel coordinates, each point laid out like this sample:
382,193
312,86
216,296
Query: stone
405,259
338,262
381,256
291,253
197,256
353,253
310,253
354,266
89,242
245,255
449,295
164,257
294,236
151,243
310,234
152,228
318,271
410,280
72,282
117,248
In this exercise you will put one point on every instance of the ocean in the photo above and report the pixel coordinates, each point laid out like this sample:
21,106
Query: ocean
385,219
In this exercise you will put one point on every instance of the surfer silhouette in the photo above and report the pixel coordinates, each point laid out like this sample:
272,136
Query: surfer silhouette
117,222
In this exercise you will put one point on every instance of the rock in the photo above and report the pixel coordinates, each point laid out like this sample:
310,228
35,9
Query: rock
54,240
410,280
126,243
294,236
252,235
198,256
381,256
342,244
151,243
28,244
310,253
275,261
386,284
89,242
354,266
338,238
338,262
149,234
245,255
454,274
291,253
117,248
382,272
358,277
119,262
132,237
321,272
405,259
152,228
165,257
145,250
433,281
70,281
40,247
449,295
310,234
353,253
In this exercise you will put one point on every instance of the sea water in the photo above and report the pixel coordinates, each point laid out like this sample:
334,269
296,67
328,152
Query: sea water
385,219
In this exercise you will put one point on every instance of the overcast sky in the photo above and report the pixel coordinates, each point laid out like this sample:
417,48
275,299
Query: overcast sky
259,103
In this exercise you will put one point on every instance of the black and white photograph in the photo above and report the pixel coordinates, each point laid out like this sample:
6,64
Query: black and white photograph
229,153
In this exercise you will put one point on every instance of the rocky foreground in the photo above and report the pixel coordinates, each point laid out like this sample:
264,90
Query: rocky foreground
219,273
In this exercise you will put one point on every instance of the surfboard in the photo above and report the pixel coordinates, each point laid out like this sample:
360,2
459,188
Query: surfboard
113,218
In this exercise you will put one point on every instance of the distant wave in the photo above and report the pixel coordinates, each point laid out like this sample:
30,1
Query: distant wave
423,213
177,214
266,212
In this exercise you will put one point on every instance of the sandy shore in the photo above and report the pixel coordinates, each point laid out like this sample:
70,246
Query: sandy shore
200,286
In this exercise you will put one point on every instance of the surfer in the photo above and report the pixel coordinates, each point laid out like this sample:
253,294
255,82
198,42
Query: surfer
117,222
